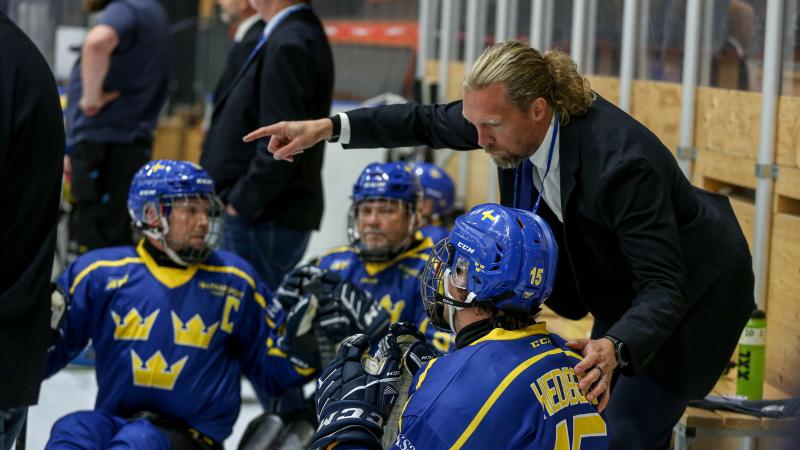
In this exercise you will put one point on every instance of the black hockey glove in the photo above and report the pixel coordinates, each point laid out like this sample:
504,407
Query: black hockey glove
303,280
348,310
405,339
298,340
355,395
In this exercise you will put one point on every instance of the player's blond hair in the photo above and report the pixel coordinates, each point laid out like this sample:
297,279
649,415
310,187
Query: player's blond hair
528,75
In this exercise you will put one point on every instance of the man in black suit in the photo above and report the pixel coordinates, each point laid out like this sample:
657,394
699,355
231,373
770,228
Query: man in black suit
662,266
249,28
32,154
272,206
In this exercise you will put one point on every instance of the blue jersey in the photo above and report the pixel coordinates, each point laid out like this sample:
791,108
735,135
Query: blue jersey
393,284
172,341
508,389
435,232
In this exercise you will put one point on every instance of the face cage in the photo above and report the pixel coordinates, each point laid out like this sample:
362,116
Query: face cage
384,253
186,255
432,282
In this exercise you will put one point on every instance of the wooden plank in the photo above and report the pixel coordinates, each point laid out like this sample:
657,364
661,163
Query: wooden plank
168,139
783,307
702,118
701,418
193,144
728,121
738,421
788,133
432,68
657,105
607,87
788,182
455,76
711,165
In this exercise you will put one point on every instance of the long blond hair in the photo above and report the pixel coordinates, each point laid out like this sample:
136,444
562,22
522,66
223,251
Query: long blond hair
527,75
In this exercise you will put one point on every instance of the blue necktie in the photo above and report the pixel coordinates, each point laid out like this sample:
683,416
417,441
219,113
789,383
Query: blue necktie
526,192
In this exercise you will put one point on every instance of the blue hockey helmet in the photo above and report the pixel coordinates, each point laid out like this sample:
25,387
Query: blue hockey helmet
155,189
500,257
393,181
436,185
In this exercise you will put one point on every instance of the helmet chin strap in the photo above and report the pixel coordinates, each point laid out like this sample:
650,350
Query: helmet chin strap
451,309
161,237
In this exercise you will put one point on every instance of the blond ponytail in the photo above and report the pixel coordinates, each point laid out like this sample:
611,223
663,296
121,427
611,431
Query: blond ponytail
528,75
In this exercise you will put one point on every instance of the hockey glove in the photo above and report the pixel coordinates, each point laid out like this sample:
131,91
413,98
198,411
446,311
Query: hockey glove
405,339
355,396
357,309
298,341
302,280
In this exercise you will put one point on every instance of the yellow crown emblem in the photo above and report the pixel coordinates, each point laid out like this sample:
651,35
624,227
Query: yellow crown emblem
191,333
155,373
133,327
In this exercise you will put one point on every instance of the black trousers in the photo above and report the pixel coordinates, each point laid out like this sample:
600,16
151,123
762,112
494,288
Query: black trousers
101,178
641,414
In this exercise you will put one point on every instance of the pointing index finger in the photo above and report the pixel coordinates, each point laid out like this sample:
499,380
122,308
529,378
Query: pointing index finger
269,130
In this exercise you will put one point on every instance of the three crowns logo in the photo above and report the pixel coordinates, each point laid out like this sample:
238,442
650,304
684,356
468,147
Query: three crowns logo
133,327
155,373
191,333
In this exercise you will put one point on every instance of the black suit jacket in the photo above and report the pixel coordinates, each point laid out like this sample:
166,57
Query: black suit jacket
662,265
237,56
31,165
290,78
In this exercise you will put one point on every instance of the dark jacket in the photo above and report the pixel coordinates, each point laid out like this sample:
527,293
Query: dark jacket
237,56
31,164
290,78
662,265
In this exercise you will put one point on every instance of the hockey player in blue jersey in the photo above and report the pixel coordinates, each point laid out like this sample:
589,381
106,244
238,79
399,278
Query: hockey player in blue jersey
509,383
369,284
438,195
385,256
174,323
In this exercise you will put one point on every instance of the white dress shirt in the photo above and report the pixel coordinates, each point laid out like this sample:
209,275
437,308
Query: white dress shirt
244,27
552,184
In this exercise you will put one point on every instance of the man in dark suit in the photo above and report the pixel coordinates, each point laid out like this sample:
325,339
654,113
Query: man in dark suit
32,153
272,206
662,266
248,30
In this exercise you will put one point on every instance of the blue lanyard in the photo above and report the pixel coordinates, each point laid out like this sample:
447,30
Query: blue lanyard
546,170
280,17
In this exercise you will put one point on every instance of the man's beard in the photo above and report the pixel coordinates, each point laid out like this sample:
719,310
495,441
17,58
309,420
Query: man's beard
502,158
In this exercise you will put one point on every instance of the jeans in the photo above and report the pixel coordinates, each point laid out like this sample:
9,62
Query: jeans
11,422
641,414
271,249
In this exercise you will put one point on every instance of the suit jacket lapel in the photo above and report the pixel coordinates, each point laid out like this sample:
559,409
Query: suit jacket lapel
569,153
252,61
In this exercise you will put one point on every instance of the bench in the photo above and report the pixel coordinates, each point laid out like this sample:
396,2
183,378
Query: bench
698,423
